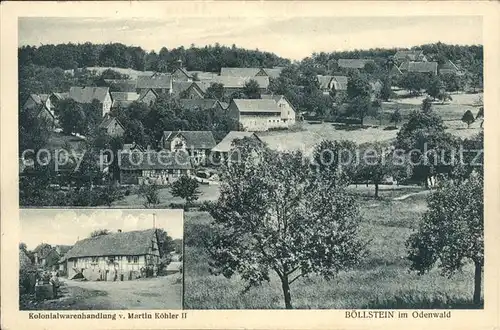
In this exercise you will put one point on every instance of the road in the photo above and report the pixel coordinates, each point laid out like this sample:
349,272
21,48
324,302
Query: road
163,292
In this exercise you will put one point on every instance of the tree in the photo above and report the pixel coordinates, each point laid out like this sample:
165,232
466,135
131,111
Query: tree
386,91
426,143
252,89
451,231
360,107
71,117
336,160
452,82
22,246
468,118
377,163
34,130
150,194
396,117
426,105
215,91
443,97
186,188
99,232
414,82
435,87
480,115
165,242
283,220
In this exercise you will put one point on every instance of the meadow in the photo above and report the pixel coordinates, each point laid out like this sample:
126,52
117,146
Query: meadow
377,129
381,280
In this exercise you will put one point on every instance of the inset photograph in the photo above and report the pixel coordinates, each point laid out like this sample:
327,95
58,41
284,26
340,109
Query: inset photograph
100,259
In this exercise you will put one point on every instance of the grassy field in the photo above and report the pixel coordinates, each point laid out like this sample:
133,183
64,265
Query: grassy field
208,193
381,280
312,134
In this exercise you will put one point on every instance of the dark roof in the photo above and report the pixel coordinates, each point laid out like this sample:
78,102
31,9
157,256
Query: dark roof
193,104
239,72
132,146
180,86
396,70
157,81
63,249
44,250
227,142
411,55
124,99
127,85
448,67
108,120
144,92
151,160
194,139
240,81
88,94
61,96
184,71
324,81
256,105
339,83
202,75
125,243
353,63
203,85
422,67
273,73
39,98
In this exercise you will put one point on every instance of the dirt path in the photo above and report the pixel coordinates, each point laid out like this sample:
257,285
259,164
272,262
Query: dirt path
402,198
152,293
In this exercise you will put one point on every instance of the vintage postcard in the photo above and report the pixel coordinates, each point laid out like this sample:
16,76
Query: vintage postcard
222,165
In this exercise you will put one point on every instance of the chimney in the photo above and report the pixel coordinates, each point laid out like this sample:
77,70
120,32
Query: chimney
119,230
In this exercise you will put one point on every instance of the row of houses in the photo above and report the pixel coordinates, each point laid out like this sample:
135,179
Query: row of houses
180,153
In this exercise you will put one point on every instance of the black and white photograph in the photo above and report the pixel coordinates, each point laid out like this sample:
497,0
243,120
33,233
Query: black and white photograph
321,162
100,259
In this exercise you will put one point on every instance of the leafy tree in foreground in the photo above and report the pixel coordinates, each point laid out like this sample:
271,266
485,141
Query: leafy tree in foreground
336,160
186,188
452,231
275,215
378,163
468,118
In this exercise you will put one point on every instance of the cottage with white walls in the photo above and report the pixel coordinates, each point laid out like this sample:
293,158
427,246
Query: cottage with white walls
118,256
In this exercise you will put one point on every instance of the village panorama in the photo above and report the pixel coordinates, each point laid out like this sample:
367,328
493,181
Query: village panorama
345,180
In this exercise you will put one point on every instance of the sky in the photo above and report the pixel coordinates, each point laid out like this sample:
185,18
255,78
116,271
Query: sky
65,226
290,37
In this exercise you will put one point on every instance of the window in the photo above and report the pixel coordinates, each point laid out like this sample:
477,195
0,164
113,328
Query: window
95,259
74,263
129,259
136,259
